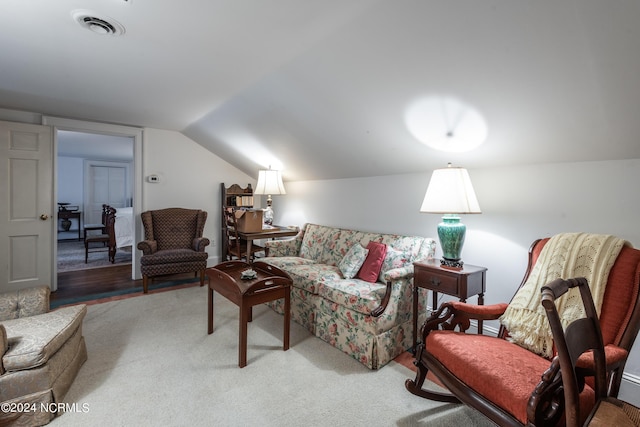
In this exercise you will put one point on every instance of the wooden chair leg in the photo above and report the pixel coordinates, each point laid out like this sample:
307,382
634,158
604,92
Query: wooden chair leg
145,284
201,277
86,252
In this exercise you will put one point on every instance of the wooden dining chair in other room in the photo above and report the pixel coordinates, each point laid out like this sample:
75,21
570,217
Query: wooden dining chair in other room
106,239
97,227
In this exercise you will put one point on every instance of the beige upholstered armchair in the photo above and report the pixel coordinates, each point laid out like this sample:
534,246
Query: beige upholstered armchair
173,243
41,352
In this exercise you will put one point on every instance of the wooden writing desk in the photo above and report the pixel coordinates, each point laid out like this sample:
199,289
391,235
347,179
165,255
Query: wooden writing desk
273,233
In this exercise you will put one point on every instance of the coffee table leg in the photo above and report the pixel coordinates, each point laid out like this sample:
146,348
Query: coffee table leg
210,313
287,318
242,351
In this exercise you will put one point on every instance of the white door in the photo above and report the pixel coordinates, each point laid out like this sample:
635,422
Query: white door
105,183
26,195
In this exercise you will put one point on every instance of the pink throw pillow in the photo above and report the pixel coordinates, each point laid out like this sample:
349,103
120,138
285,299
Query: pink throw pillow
373,263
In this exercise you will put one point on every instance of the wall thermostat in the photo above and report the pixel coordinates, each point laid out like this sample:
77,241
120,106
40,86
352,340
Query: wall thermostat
153,178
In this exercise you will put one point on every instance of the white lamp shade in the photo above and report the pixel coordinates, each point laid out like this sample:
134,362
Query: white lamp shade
269,182
450,192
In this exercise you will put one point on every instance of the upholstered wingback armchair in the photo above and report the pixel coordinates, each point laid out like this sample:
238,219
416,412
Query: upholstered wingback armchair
173,243
41,352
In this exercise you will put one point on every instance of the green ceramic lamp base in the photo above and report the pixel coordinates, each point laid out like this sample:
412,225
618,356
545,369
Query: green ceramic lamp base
451,233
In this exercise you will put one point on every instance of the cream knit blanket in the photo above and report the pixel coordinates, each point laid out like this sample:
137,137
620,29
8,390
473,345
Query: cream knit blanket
564,256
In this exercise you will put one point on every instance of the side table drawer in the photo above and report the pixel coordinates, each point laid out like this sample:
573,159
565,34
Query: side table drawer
437,282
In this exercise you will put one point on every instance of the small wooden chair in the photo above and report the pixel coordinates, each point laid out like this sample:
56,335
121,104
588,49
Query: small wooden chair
579,337
108,238
236,246
98,227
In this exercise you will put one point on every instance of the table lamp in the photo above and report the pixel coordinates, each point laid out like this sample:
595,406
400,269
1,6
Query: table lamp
269,182
450,193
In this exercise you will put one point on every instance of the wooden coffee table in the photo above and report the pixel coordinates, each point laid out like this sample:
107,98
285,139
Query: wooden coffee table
270,284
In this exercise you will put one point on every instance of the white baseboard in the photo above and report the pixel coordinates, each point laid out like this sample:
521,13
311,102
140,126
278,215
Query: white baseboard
630,389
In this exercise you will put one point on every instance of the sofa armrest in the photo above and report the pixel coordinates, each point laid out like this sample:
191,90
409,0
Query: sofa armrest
288,247
199,243
401,278
4,346
399,273
148,247
399,288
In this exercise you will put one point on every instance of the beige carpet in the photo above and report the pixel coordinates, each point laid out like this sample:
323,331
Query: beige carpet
151,363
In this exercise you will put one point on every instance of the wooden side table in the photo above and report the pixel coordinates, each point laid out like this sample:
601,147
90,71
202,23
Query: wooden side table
69,215
270,284
458,282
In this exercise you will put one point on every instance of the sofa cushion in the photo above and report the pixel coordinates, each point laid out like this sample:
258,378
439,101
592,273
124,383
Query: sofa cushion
287,261
354,294
316,238
33,340
372,266
341,243
173,256
309,276
352,261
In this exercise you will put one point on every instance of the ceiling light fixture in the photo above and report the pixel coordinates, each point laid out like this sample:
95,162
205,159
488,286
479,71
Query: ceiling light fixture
446,124
103,25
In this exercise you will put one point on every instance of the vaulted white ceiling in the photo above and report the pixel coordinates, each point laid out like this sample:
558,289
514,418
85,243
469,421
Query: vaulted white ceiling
336,88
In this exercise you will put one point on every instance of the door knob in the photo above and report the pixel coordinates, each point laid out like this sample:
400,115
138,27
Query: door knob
44,217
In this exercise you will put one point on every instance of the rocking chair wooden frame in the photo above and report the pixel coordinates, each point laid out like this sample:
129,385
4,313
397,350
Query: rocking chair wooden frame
545,399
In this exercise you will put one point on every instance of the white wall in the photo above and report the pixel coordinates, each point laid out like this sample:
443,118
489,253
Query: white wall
70,180
190,177
518,205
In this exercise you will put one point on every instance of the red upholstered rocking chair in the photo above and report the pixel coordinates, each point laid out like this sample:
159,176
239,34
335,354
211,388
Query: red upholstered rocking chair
506,382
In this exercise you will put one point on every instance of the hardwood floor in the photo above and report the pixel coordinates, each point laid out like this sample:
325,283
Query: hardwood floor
81,283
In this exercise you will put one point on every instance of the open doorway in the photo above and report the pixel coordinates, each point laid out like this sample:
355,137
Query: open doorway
131,139
93,169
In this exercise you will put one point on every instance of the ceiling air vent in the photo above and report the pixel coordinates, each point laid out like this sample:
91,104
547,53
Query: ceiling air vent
103,25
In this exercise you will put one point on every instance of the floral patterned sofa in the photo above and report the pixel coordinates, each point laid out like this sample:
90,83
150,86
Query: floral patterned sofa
369,320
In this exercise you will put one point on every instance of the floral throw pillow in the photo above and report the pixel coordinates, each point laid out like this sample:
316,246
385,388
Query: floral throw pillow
352,261
393,259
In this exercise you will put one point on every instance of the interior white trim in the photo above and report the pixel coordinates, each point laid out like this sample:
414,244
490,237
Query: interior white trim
60,123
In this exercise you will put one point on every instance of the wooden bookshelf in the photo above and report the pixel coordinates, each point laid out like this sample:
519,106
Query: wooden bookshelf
233,196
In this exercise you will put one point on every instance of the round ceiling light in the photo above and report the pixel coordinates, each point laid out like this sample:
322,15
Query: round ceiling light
103,25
